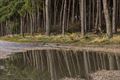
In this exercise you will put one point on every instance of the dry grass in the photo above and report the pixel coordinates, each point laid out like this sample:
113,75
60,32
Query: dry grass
74,38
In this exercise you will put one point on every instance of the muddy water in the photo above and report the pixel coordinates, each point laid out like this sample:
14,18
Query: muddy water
54,64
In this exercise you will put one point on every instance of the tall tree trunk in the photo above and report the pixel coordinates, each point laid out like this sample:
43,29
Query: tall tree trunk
64,17
93,13
68,15
97,17
61,12
107,19
100,16
73,10
21,26
55,12
114,17
83,17
47,17
31,25
89,18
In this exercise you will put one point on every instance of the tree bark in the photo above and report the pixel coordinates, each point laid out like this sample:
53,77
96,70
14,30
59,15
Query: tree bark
107,19
83,17
64,17
47,17
114,17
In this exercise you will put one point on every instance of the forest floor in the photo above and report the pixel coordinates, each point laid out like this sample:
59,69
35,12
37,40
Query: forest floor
70,38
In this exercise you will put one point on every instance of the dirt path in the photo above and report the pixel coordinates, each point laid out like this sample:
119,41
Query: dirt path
11,47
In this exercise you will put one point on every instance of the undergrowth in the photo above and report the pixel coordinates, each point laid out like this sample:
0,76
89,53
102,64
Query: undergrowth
69,38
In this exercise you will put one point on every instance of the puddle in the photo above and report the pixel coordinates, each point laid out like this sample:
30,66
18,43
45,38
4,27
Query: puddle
56,64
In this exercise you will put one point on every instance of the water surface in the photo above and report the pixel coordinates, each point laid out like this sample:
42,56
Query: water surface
54,64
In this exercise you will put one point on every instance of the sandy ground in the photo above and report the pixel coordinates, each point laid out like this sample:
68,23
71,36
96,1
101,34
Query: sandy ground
106,75
10,47
101,75
72,79
4,45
